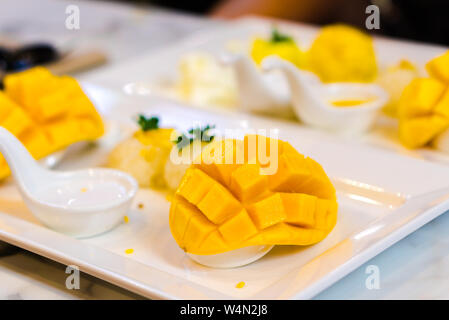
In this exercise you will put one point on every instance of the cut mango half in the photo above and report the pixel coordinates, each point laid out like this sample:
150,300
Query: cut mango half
226,200
46,113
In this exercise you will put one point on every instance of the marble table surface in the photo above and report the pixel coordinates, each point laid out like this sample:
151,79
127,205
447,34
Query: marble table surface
417,267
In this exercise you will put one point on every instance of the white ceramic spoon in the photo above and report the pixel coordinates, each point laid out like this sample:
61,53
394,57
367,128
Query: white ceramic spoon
312,99
81,203
258,92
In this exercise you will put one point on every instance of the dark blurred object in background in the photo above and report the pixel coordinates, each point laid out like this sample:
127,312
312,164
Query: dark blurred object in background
422,20
198,6
27,56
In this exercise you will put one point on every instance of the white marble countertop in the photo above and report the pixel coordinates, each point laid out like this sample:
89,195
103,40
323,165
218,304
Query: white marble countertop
415,268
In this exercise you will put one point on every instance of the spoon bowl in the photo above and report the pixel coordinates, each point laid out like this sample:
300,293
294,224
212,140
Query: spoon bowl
80,203
313,100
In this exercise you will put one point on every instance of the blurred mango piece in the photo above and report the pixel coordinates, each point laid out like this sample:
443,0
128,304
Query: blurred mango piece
222,205
419,97
46,113
424,106
439,67
280,45
342,53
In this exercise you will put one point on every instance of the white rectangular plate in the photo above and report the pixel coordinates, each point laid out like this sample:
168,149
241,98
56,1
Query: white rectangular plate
382,197
161,66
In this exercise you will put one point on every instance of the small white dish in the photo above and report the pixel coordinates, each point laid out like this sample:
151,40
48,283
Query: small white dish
312,100
232,259
80,203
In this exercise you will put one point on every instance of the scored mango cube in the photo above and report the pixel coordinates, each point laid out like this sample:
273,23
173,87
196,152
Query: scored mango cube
424,106
296,205
51,106
300,208
442,106
197,231
213,242
292,171
194,185
37,143
182,212
439,67
6,106
17,121
419,97
218,204
268,211
247,183
238,228
419,131
221,158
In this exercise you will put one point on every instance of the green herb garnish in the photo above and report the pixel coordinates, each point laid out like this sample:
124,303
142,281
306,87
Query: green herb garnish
276,36
194,134
148,123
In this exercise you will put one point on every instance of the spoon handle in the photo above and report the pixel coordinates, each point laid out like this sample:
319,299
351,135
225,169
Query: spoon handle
25,169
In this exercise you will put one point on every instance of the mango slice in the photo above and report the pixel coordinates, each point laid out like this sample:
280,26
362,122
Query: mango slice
227,201
423,109
46,112
342,53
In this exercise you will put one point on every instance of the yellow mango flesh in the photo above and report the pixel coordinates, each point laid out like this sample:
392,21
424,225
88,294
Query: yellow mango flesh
419,97
286,50
341,53
438,67
46,113
224,205
423,109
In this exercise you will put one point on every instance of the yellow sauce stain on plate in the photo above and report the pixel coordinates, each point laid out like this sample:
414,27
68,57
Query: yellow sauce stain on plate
129,251
240,285
126,219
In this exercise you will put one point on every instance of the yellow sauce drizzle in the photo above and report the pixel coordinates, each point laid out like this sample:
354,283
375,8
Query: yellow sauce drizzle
349,103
